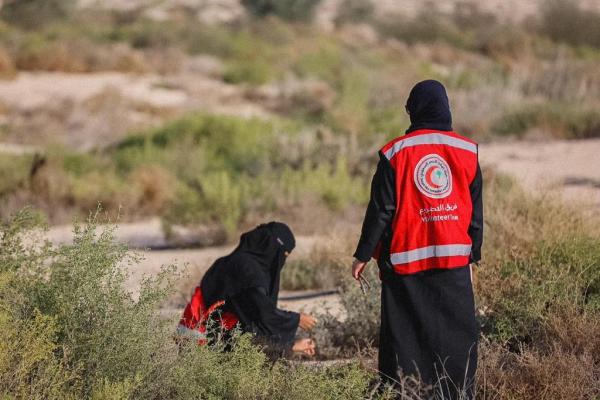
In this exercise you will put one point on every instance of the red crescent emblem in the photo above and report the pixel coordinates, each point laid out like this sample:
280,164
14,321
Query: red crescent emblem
428,178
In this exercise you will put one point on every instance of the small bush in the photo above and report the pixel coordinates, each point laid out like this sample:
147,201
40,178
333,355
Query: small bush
321,270
427,27
538,296
354,11
75,332
323,59
350,114
291,10
7,64
37,53
359,328
28,368
154,187
225,199
14,173
33,13
255,72
334,185
565,21
558,364
101,186
228,143
562,121
228,168
541,257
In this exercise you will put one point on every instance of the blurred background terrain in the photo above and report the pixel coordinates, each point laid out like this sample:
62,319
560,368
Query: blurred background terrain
216,114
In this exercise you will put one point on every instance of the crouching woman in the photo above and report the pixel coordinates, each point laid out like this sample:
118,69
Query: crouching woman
241,289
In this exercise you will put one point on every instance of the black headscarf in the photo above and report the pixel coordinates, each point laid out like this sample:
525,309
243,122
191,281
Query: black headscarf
255,263
428,107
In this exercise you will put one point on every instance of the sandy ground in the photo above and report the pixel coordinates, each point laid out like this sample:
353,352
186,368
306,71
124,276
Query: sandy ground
30,90
569,168
84,111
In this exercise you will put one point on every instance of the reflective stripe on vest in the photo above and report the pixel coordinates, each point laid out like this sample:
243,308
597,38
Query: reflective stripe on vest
191,333
447,250
431,138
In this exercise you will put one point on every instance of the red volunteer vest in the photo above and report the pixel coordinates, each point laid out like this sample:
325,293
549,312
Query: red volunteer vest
195,315
433,208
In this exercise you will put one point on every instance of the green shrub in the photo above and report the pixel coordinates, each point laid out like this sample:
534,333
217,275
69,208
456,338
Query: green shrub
332,184
14,173
391,122
254,72
558,120
323,59
350,114
559,275
100,186
229,167
33,13
226,198
565,21
28,368
79,163
292,10
150,34
249,376
354,11
318,271
228,143
428,27
73,330
541,257
360,327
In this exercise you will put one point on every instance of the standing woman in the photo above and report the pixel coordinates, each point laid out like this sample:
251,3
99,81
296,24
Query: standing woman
424,225
243,288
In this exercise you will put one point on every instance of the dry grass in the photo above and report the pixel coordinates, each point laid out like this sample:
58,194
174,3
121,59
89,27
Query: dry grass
78,57
554,369
154,188
7,65
537,300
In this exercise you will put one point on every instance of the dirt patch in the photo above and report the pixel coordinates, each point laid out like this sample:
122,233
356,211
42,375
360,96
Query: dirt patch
567,168
84,111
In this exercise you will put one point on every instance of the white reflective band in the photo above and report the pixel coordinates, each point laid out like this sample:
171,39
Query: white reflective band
447,250
185,331
430,138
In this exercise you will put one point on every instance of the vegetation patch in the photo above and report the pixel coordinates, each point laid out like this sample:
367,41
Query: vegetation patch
77,333
537,299
559,120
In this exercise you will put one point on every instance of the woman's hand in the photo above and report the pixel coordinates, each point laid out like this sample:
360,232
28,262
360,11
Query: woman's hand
307,322
304,346
357,269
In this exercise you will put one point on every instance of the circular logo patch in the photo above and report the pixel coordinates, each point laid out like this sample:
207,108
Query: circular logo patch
433,177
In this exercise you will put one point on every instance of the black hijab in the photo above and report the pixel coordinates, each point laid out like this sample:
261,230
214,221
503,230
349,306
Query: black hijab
428,107
255,263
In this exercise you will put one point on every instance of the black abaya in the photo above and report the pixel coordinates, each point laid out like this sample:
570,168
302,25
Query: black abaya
428,329
247,281
259,315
